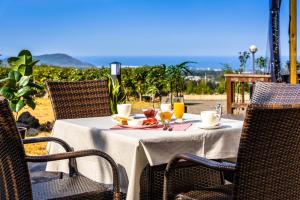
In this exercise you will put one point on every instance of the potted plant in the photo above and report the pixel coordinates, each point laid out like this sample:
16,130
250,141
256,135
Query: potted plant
19,87
116,94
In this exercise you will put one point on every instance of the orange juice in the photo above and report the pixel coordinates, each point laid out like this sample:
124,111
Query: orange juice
178,110
165,116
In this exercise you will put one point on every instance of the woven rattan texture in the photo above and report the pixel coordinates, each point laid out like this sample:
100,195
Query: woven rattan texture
82,187
268,160
269,155
223,192
79,99
275,93
14,175
186,176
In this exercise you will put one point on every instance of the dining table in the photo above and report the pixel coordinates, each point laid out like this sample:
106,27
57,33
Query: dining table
133,149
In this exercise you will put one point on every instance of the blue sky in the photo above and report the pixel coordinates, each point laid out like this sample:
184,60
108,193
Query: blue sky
136,27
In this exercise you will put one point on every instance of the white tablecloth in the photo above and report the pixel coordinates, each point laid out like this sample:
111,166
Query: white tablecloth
132,150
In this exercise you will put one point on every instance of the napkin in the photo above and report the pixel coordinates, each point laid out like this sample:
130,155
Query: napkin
176,127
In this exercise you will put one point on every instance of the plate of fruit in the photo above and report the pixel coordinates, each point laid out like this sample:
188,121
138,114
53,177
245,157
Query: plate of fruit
137,123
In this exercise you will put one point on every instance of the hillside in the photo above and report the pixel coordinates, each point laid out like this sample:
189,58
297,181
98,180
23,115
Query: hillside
61,60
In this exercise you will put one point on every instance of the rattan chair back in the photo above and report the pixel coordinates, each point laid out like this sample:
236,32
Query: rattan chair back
269,153
14,174
80,99
276,93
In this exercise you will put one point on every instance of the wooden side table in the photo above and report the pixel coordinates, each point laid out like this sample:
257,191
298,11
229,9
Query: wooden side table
232,80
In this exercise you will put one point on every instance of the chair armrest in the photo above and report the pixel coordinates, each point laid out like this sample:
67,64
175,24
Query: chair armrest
48,139
219,166
72,162
83,153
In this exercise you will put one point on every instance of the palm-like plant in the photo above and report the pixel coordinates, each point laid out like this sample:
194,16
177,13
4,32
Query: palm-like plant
175,76
116,95
261,62
243,57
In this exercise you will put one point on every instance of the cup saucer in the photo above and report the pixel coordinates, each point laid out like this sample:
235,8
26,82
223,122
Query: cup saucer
208,127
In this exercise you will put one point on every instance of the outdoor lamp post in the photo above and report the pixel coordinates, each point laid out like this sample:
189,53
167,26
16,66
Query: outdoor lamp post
115,71
253,50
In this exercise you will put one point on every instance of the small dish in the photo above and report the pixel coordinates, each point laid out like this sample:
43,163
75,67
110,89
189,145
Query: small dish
135,122
209,127
150,113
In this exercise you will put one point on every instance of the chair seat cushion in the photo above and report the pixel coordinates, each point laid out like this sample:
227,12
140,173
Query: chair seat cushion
78,187
223,192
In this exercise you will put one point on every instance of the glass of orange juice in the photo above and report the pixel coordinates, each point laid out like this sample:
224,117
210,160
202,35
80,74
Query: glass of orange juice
178,105
166,117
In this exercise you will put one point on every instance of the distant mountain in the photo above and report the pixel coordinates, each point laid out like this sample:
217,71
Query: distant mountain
61,60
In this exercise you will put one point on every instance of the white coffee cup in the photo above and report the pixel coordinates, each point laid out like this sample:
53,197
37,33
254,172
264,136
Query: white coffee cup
165,107
124,110
210,118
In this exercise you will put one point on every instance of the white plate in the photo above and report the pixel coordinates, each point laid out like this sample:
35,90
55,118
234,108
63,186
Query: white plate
209,127
116,115
139,127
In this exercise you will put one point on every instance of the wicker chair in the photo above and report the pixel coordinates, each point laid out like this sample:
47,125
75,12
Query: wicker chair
14,175
79,99
269,154
276,93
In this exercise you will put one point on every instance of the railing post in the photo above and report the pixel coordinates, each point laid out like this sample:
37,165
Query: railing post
293,42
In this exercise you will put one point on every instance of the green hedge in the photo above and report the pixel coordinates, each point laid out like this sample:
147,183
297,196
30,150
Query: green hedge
136,81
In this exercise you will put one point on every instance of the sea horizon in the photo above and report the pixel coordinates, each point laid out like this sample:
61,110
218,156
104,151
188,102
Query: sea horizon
201,62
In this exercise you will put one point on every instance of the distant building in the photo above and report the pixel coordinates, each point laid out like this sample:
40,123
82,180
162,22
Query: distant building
199,78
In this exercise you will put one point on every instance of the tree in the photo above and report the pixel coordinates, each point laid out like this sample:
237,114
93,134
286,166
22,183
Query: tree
0,60
175,76
202,88
261,62
190,87
226,68
153,91
139,76
128,82
243,57
156,77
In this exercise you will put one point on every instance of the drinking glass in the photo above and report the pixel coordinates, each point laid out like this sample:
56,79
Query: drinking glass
165,117
166,105
219,110
166,113
178,106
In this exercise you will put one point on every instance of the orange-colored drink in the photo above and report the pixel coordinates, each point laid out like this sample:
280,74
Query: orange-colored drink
166,116
178,110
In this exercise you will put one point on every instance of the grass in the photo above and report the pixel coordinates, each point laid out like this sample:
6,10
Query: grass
44,113
43,110
37,148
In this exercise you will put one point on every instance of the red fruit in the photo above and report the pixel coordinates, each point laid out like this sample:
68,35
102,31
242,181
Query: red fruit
150,121
150,113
